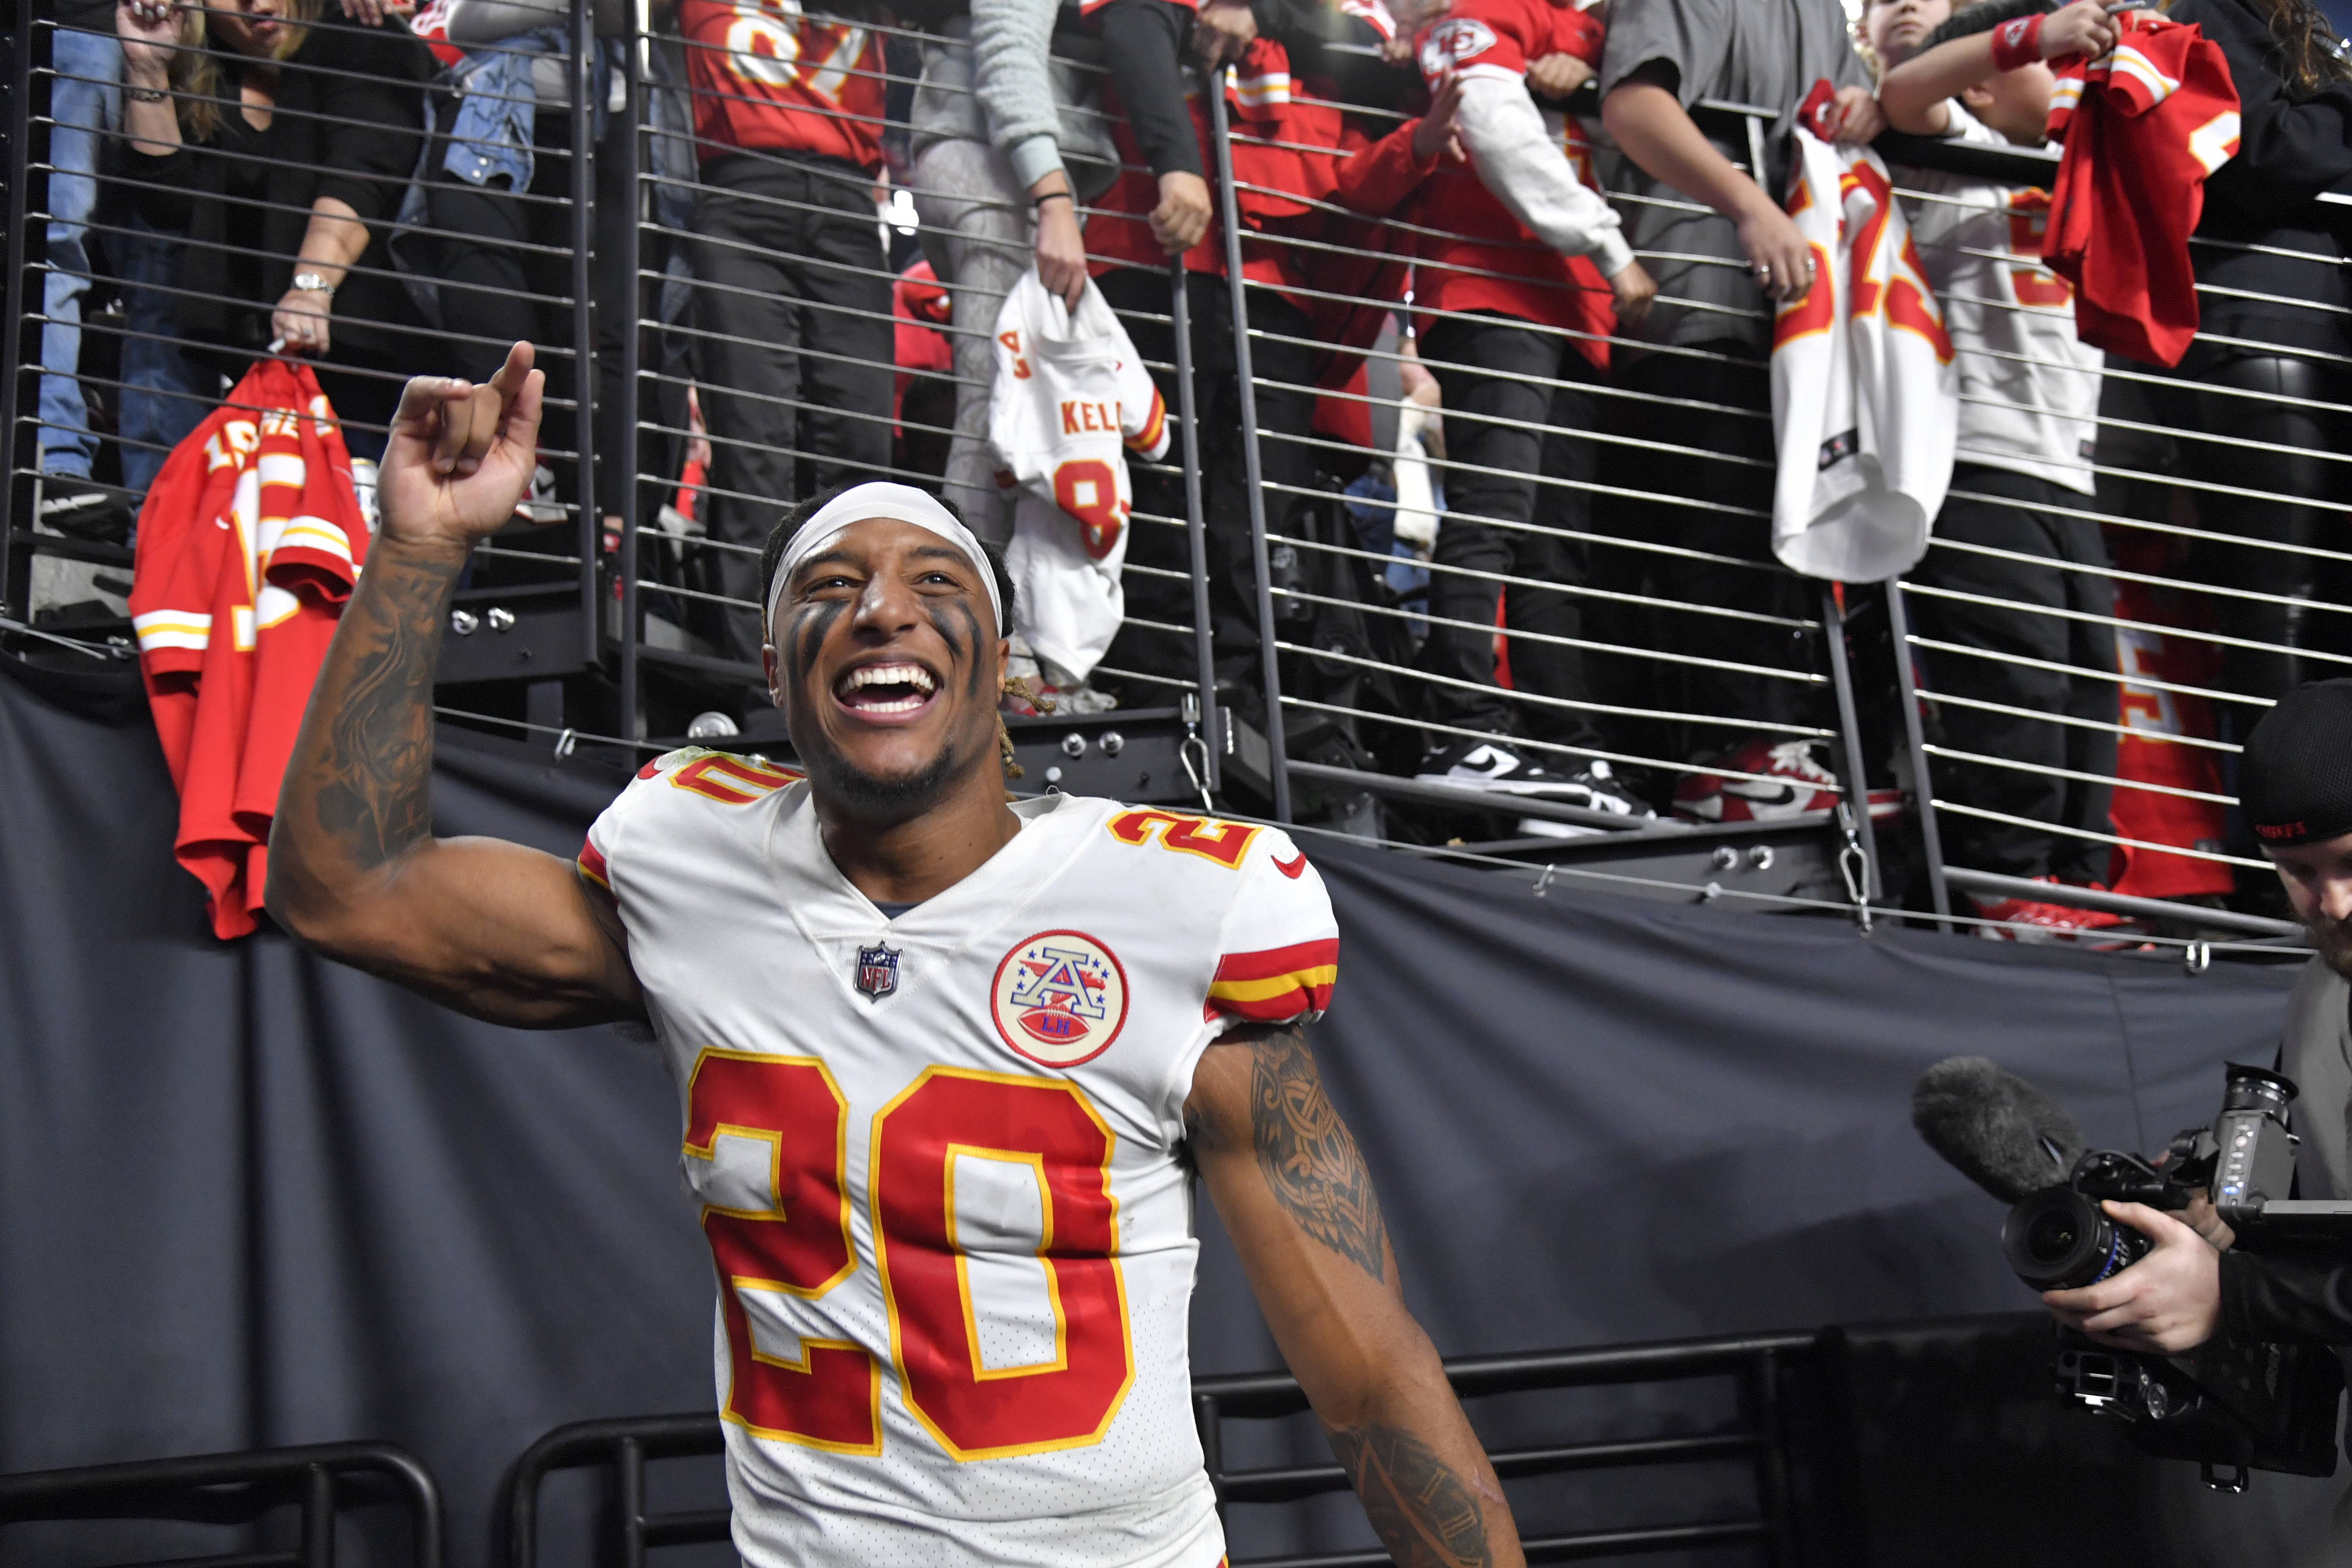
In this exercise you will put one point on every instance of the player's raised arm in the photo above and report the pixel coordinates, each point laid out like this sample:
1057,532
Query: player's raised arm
1291,1187
493,928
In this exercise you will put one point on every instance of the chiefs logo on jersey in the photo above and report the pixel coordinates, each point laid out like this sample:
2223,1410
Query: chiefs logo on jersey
1452,41
1059,998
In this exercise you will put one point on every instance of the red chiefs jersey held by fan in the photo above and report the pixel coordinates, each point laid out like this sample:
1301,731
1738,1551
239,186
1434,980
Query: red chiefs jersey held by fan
1484,258
249,542
2143,127
767,76
1285,148
2161,725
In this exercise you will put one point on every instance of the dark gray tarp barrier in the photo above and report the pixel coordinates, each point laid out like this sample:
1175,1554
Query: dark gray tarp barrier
248,1198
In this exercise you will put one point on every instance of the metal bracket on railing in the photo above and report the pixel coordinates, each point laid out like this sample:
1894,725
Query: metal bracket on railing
1853,865
1200,705
2195,958
1543,883
564,743
1200,773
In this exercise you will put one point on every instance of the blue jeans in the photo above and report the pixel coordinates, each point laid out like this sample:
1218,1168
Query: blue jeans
164,395
86,101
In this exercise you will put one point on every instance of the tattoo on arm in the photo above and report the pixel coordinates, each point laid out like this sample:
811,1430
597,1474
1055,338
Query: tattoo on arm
372,785
1425,1514
1310,1157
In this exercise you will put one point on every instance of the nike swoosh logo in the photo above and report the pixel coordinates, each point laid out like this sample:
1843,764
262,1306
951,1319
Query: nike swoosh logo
1291,869
1763,794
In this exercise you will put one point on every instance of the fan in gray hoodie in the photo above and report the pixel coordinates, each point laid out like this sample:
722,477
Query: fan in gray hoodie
1008,138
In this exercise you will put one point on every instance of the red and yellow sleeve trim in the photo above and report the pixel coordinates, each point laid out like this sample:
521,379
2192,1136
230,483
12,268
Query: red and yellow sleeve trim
1155,427
1275,985
591,866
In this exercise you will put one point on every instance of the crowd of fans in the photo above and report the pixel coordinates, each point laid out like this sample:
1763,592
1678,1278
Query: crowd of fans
386,191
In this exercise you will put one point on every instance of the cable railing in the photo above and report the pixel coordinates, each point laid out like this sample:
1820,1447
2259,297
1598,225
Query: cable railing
1425,510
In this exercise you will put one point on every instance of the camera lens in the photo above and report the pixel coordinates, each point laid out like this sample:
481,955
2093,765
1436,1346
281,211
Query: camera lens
2058,1239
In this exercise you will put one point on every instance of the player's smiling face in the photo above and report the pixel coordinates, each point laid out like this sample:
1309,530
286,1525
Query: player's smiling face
886,658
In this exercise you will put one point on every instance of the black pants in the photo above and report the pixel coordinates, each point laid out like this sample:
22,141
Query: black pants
792,355
2287,453
2015,520
1720,422
494,287
1285,462
1505,424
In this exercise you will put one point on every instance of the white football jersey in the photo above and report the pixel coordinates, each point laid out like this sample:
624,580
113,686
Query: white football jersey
936,1157
1071,398
2029,387
1865,394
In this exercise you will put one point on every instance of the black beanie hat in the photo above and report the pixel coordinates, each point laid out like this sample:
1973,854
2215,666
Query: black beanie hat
2294,782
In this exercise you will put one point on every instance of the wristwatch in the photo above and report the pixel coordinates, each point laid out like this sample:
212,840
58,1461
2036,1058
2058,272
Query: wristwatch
311,283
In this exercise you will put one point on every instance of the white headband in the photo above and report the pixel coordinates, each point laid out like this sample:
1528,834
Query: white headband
904,503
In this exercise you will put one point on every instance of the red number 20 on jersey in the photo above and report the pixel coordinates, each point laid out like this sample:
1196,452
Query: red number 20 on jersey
830,1397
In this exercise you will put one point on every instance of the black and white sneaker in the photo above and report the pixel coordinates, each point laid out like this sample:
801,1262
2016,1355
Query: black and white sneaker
1494,766
85,510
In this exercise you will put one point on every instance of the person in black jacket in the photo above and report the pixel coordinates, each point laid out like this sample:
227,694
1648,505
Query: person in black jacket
2195,1284
271,144
2272,294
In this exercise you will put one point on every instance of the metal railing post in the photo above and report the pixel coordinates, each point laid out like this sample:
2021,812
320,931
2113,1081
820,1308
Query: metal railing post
1856,782
1196,527
584,323
319,1518
18,154
1278,762
1915,741
629,1461
632,347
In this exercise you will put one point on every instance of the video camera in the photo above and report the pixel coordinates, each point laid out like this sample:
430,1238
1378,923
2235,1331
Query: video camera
2233,1407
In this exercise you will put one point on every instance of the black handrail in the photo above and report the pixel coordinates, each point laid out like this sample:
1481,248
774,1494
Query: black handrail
235,1489
1755,1361
626,1444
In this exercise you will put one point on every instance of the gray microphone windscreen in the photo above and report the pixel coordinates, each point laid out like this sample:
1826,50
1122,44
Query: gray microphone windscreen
1994,1128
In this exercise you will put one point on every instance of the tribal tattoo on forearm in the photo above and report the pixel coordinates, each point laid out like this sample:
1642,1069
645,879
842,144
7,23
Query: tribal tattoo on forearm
1425,1513
372,786
1310,1157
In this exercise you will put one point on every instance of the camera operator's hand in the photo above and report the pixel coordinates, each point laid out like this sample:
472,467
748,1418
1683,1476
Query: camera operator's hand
2167,1302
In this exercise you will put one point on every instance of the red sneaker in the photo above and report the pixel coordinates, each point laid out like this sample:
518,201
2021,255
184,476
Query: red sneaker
2028,919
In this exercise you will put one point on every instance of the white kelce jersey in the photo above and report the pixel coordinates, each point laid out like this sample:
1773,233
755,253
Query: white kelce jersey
1071,398
1864,405
936,1158
2029,387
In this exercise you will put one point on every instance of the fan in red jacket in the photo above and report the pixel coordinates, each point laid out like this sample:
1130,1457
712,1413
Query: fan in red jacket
2144,125
249,542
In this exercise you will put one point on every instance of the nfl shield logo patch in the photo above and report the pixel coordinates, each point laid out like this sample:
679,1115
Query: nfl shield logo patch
878,972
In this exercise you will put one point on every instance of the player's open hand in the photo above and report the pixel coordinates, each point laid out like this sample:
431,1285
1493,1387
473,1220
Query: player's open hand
2167,1302
461,456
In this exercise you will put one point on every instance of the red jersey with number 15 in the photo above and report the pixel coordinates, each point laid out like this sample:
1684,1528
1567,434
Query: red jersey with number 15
767,77
936,1157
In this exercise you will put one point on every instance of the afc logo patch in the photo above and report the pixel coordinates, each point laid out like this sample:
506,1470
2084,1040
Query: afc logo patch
1452,41
1059,998
878,972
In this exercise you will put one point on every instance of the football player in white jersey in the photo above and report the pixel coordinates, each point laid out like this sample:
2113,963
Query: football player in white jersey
945,1063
